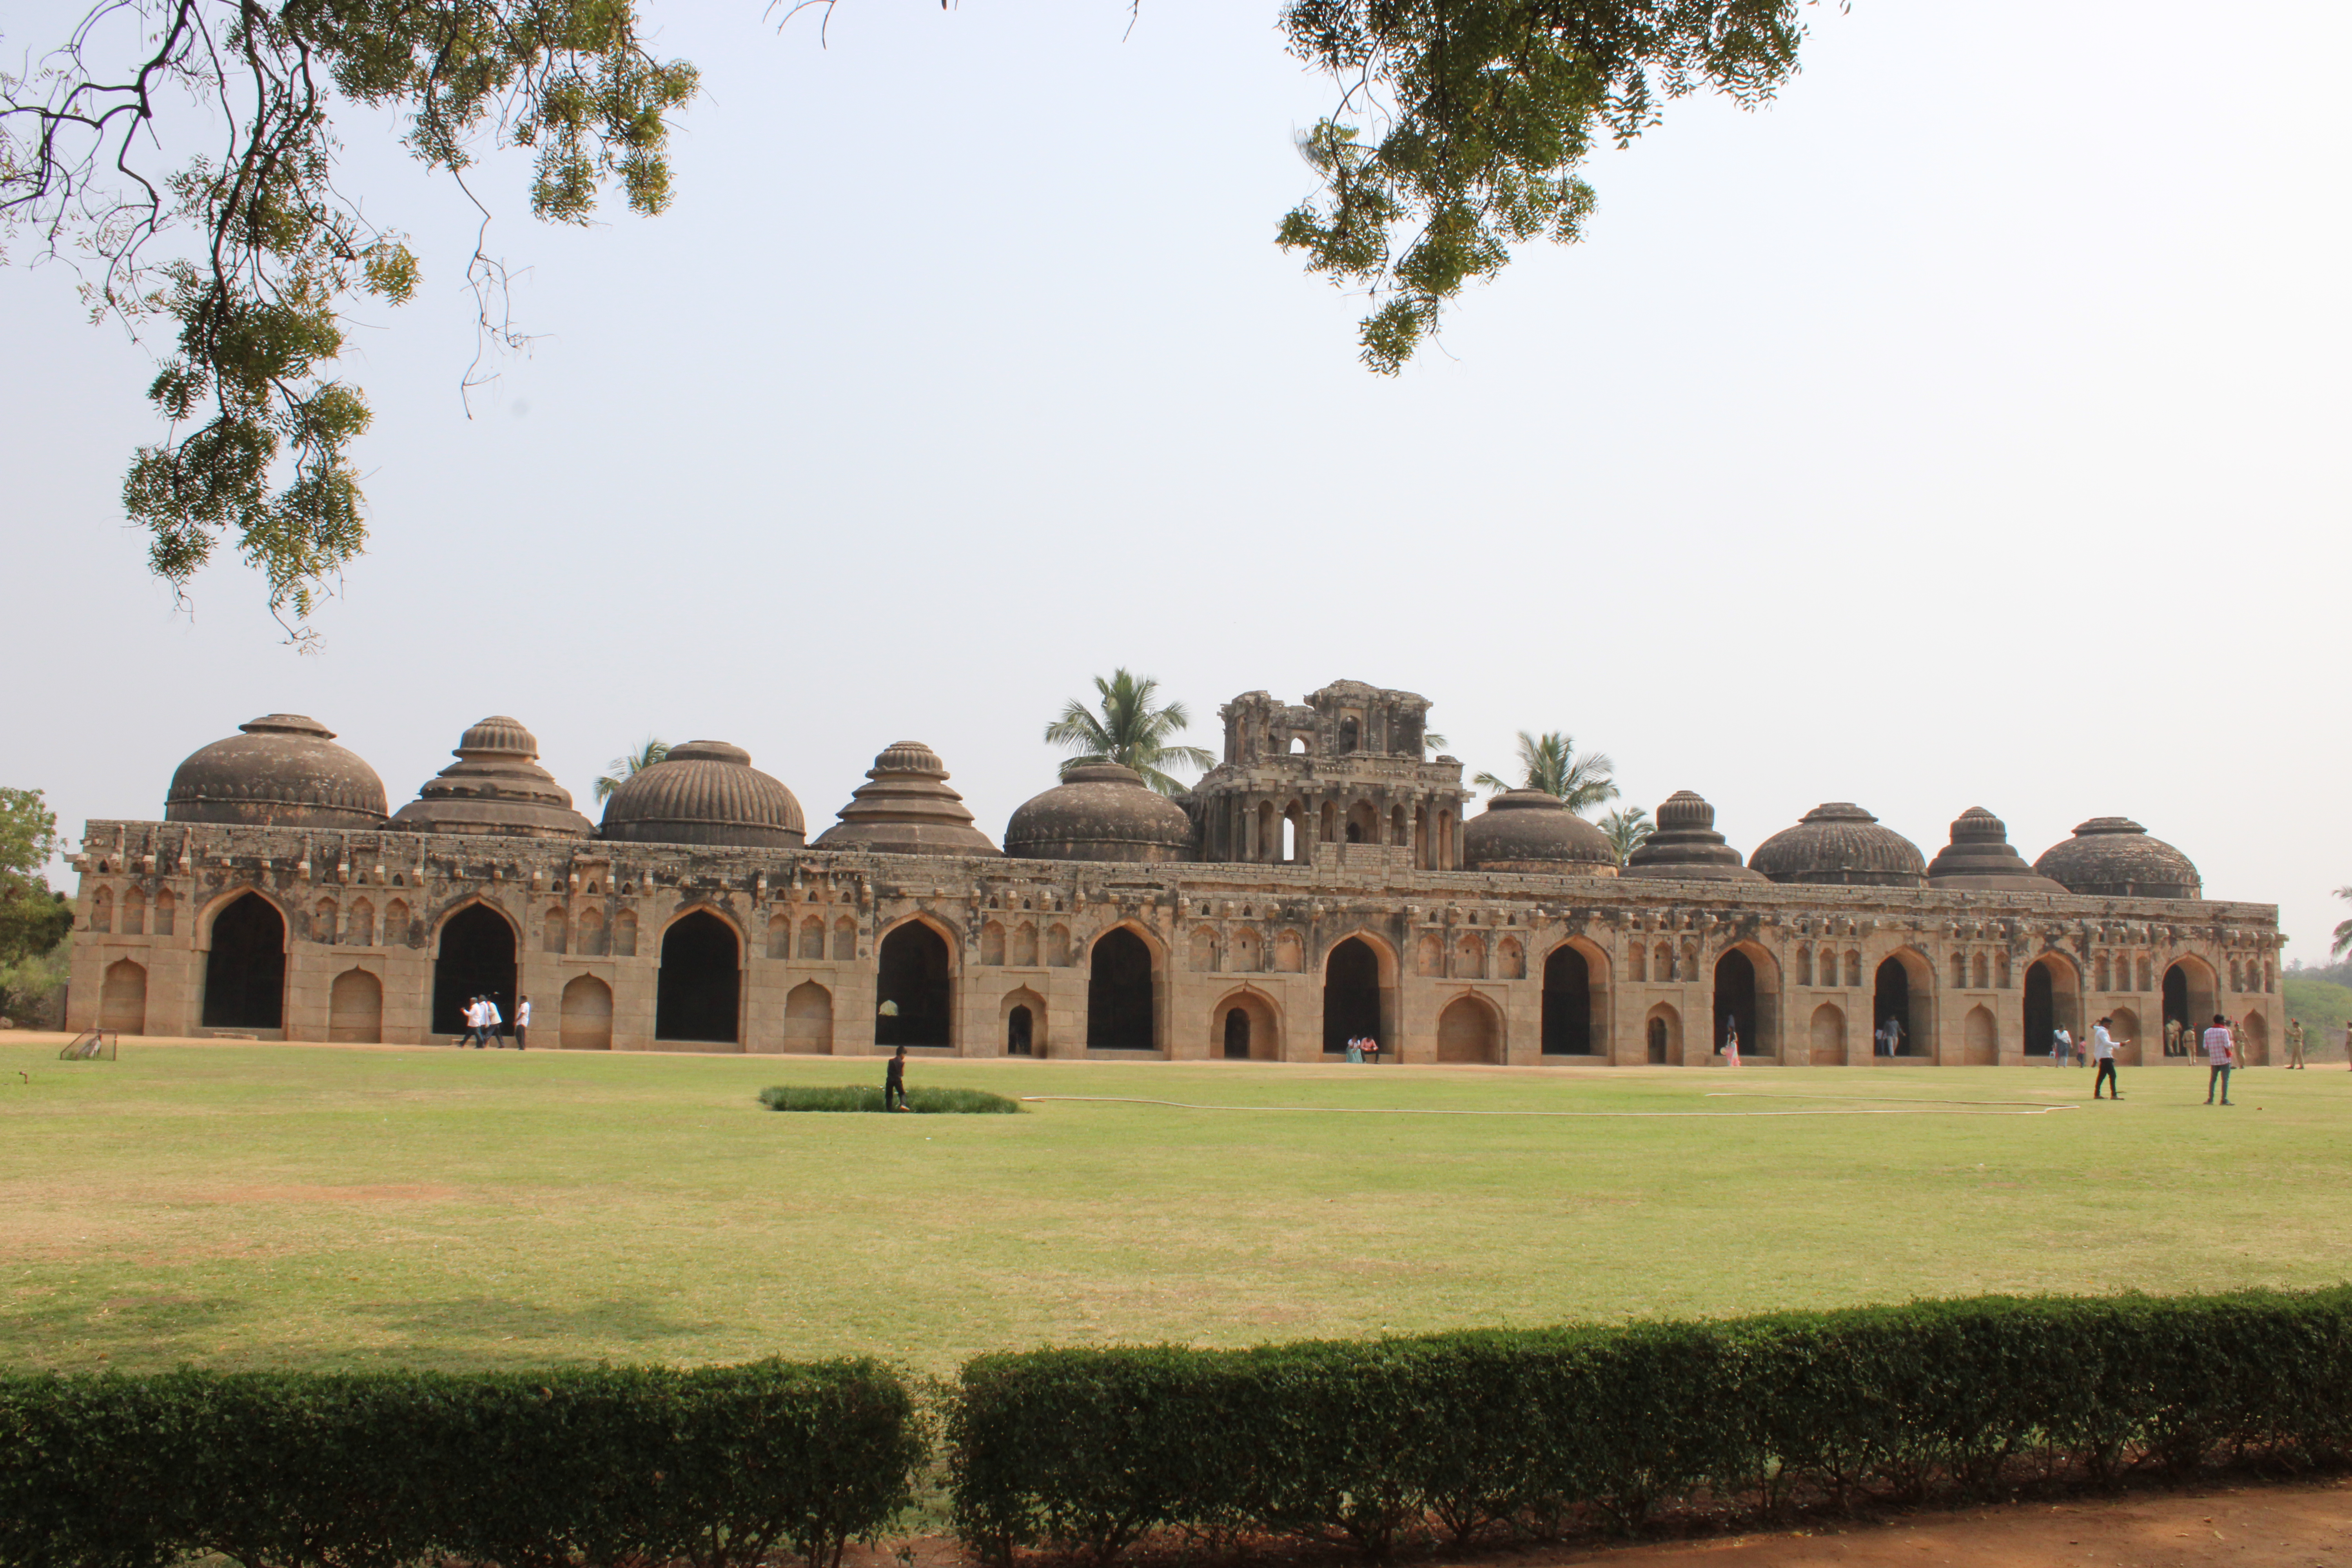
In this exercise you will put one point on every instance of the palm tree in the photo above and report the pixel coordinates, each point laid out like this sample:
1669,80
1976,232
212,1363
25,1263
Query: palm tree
1131,732
1627,830
1553,767
2343,942
644,757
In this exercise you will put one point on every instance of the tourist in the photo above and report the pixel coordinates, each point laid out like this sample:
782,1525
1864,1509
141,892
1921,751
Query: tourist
2062,1047
2238,1048
2220,1054
491,1020
894,1083
1372,1049
2172,1036
2103,1051
1355,1048
2294,1043
522,1021
1878,1047
1730,1042
473,1034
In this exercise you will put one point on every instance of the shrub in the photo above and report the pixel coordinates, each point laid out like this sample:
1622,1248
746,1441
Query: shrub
716,1467
866,1097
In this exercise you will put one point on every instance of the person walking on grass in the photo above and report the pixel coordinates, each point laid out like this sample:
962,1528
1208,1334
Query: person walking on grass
2103,1051
2218,1053
1730,1042
474,1026
894,1083
522,1021
491,1021
2294,1043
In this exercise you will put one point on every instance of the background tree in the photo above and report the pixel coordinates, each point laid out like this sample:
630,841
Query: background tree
1627,829
34,921
625,767
2343,942
1549,763
184,156
1131,731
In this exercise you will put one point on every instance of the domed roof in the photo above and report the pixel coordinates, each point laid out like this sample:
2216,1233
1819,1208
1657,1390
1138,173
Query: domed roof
906,809
280,770
1685,847
1530,831
1842,844
705,791
1100,812
495,786
1981,858
2113,857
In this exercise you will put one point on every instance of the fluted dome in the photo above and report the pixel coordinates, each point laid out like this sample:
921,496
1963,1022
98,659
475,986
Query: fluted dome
280,770
495,786
2113,857
705,791
1102,811
1530,831
907,808
1685,847
1841,844
1980,859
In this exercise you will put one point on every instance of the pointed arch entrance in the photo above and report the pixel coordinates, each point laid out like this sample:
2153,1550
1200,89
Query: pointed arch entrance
1735,1003
1568,1003
1351,997
1120,1015
1469,1031
245,973
700,983
1903,990
916,1000
2053,1002
474,957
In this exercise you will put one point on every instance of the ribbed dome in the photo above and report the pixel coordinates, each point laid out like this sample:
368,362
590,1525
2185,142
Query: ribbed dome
1685,848
1100,813
2113,857
1841,844
1981,858
279,771
496,786
705,791
906,809
1531,832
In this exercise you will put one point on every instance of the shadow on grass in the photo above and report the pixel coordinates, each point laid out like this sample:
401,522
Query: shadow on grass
479,1318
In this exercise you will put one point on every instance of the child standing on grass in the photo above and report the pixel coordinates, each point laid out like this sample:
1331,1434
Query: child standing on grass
894,1083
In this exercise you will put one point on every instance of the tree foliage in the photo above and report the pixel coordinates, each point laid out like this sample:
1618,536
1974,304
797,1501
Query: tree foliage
1131,729
33,920
2342,943
1480,112
253,254
623,767
1627,829
1549,762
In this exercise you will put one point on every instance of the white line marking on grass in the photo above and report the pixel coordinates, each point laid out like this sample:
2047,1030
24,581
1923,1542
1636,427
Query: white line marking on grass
1927,1108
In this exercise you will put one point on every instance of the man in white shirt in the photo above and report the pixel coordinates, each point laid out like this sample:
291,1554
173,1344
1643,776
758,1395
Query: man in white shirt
2218,1053
2103,1051
491,1020
522,1023
473,1023
2061,1047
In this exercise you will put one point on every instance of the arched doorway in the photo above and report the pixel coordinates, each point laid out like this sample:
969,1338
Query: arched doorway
1242,1028
123,998
583,1019
1982,1038
1467,1032
475,958
1735,1003
808,1019
355,1008
1237,1035
1829,1035
1119,1014
700,981
1020,1032
1897,994
915,1000
1351,995
2190,996
2255,1039
1566,1003
1662,1037
2050,1004
244,973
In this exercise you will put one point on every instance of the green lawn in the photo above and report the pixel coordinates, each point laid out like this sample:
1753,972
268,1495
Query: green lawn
247,1205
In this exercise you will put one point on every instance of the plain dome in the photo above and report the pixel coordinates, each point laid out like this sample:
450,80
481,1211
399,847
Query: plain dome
1530,831
282,770
1100,812
2113,857
705,791
1841,844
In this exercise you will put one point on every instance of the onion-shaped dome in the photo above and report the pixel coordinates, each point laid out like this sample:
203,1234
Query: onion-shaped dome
280,770
1532,832
2113,858
495,786
705,791
1980,859
907,808
1100,812
1685,847
1841,844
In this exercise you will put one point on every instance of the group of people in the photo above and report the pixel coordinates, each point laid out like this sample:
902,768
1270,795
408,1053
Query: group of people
1364,1048
484,1024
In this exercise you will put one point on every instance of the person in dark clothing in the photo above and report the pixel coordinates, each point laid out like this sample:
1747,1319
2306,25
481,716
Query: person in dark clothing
894,1083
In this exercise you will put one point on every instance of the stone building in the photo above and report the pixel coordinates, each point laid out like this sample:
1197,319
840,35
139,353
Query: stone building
1327,879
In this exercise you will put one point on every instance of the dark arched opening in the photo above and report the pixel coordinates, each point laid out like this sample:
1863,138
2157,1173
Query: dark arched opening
1119,994
1658,1042
1237,1033
701,980
1566,1003
1351,995
1019,1026
914,1007
1891,1000
476,959
244,974
2041,1011
1735,1001
2176,1000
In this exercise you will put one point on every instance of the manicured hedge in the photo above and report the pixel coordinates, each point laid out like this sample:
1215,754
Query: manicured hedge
927,1100
1370,1442
716,1467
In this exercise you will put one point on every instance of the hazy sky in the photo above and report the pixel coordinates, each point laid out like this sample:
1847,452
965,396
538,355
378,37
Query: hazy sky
1966,427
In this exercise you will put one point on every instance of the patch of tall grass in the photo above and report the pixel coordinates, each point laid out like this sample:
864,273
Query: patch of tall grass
869,1097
